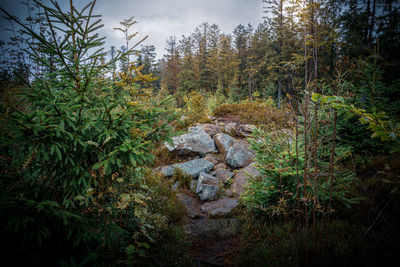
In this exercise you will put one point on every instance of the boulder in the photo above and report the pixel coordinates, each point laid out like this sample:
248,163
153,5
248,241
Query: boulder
223,142
223,175
192,167
196,141
220,207
207,187
242,176
192,207
239,156
213,229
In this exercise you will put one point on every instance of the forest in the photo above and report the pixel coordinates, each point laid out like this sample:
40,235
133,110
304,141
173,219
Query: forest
274,144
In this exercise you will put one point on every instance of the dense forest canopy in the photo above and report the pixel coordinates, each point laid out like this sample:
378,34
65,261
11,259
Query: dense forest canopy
302,111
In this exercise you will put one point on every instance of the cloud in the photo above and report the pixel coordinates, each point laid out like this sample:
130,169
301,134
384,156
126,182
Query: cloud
160,19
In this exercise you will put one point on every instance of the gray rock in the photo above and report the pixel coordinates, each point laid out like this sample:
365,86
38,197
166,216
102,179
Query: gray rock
192,207
220,207
242,176
213,229
195,141
239,156
192,167
223,142
207,187
223,174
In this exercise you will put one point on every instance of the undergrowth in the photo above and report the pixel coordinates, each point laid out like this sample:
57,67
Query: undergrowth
256,113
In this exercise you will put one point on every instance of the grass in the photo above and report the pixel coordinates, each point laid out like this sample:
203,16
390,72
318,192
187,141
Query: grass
256,113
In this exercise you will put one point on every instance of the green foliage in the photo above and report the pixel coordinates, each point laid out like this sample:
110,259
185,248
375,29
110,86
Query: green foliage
194,111
283,188
74,159
382,126
215,100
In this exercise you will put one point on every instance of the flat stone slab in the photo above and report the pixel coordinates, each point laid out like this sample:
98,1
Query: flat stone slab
195,141
220,207
192,167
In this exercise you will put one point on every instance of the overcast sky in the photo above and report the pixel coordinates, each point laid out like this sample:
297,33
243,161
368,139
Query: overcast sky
160,19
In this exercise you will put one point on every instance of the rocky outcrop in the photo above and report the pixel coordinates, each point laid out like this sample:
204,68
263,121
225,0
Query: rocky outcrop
239,156
207,187
196,141
223,142
219,207
242,176
192,167
219,177
221,167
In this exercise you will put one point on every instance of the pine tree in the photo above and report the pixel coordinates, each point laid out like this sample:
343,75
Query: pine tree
172,65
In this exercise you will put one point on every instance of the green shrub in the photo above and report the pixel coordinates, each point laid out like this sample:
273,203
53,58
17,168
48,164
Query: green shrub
282,189
73,161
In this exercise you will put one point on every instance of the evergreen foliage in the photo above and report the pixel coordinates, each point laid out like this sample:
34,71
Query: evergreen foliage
73,180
